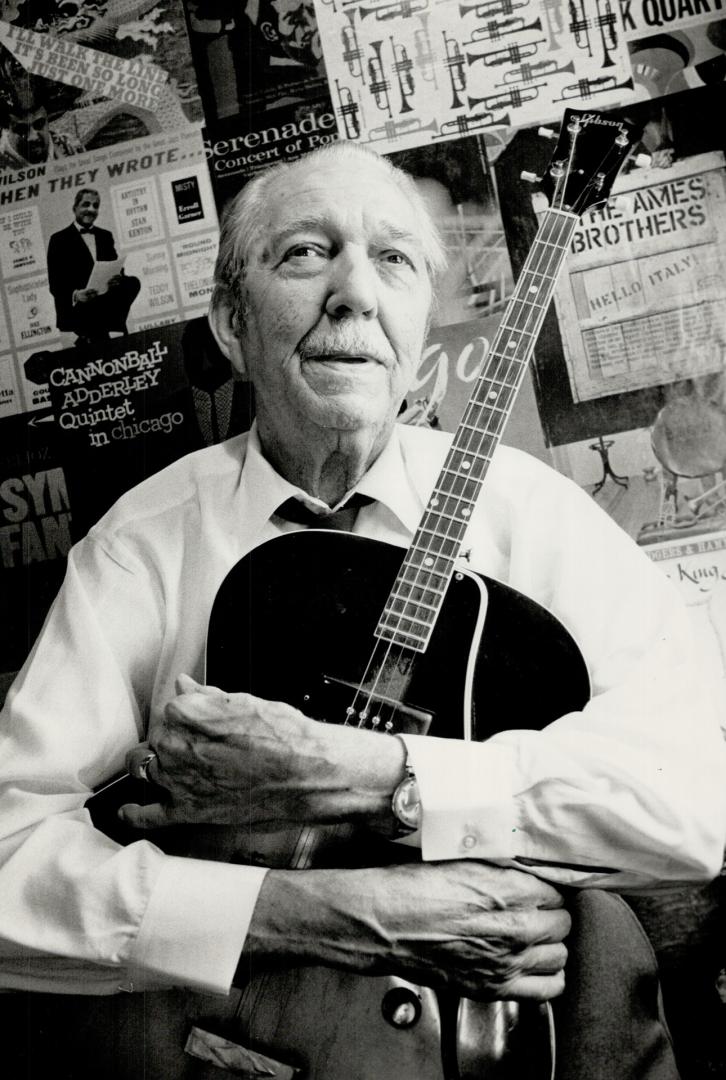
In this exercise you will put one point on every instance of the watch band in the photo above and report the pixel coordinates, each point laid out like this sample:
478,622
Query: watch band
406,803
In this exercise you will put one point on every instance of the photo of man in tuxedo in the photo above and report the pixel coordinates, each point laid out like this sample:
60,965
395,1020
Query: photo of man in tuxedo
72,254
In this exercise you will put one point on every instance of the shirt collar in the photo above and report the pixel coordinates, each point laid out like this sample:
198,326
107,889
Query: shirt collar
387,481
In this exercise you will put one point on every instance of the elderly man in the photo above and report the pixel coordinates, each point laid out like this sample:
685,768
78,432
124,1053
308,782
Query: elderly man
323,298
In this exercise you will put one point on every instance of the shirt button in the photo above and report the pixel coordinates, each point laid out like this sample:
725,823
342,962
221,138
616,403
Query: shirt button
468,842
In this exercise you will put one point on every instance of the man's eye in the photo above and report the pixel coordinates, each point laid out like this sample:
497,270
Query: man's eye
303,251
397,258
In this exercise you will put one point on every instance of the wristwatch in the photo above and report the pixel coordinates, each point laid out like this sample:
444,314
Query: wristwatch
406,804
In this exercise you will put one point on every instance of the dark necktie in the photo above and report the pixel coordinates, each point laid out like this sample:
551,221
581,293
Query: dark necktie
342,519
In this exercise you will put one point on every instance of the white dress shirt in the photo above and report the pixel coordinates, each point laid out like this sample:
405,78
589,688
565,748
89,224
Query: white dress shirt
633,783
89,239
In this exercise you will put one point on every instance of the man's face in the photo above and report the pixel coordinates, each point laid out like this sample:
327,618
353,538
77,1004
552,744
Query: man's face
86,209
297,29
338,298
29,135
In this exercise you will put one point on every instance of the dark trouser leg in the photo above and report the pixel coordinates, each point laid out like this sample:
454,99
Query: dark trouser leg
609,1021
109,311
686,927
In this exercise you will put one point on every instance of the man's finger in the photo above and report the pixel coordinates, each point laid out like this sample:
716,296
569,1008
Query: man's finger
554,925
536,987
153,816
185,684
544,959
534,892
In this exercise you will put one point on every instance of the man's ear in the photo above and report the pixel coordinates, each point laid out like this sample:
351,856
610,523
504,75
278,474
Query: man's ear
223,325
269,32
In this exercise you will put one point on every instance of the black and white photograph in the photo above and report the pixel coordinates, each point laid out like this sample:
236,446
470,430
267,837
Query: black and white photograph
362,540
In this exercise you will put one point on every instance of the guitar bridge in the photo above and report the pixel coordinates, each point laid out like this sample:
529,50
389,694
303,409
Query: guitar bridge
337,701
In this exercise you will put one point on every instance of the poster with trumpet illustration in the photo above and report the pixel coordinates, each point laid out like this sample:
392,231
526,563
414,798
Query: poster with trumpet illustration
405,73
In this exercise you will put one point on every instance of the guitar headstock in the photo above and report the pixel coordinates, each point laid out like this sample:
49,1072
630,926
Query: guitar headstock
591,149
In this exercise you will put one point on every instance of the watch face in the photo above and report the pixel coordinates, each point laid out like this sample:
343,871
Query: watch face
406,803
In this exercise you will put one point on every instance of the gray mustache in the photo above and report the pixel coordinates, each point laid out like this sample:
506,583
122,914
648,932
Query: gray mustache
346,343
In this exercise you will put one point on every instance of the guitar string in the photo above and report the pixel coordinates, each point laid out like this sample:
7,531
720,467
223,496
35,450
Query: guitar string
550,236
478,401
418,576
556,255
306,837
551,243
422,578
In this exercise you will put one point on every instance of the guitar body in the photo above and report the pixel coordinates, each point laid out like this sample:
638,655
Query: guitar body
305,606
294,621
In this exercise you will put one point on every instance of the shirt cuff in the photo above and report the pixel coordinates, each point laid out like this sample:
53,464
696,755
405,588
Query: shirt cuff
196,923
467,804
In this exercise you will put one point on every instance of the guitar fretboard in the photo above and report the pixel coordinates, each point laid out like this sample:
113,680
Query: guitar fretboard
414,603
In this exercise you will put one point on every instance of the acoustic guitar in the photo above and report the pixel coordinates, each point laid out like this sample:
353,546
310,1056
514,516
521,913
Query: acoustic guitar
355,631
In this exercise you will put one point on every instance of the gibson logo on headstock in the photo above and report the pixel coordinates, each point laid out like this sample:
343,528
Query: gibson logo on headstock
596,118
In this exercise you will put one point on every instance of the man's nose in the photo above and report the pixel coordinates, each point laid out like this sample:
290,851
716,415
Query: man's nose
353,286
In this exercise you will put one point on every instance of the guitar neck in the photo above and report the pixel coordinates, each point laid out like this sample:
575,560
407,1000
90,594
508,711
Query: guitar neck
414,603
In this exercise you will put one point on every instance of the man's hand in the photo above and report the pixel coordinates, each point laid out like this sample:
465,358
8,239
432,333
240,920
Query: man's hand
82,296
235,759
482,931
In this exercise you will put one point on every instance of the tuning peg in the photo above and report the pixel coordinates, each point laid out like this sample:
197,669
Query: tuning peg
547,133
530,177
642,161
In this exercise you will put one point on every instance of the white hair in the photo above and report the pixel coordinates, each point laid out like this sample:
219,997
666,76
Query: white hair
242,217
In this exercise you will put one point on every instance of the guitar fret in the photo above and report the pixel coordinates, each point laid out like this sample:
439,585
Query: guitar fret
452,540
500,383
483,402
514,329
494,408
417,594
549,243
430,562
406,641
419,572
469,453
488,411
444,500
463,514
530,303
440,529
473,427
406,624
406,601
538,273
463,487
427,568
480,415
464,475
416,628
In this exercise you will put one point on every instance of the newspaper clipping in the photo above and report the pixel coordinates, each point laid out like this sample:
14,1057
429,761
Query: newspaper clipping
644,299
